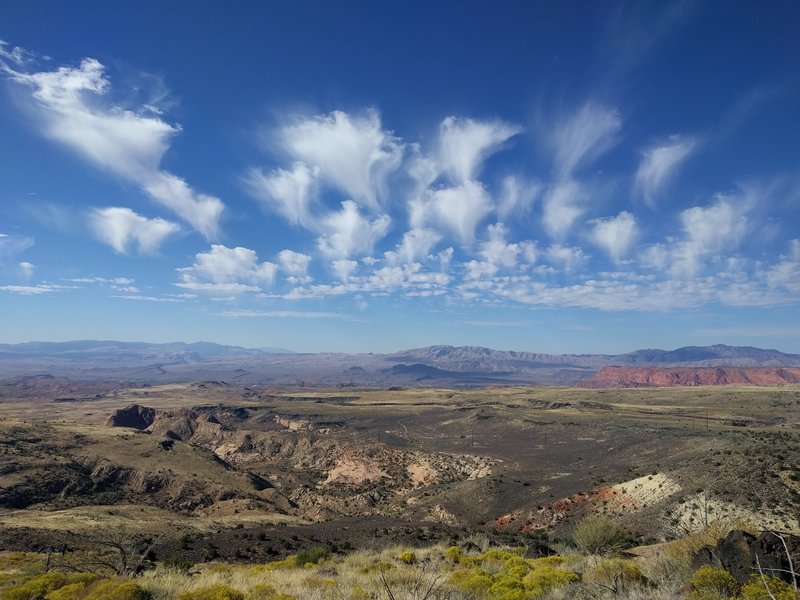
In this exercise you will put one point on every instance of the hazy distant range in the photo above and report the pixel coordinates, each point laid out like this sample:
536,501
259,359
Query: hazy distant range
140,362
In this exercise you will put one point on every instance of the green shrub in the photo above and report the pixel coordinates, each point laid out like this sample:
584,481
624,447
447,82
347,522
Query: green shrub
475,582
711,583
407,557
216,591
312,556
264,591
756,590
600,535
544,579
454,554
68,592
115,589
44,585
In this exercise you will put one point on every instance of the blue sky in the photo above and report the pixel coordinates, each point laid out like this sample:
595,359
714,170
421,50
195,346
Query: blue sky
367,177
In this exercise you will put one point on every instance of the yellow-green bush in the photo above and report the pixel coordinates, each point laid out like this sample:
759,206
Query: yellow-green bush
756,590
68,592
42,586
75,589
407,557
711,583
215,591
504,575
454,554
545,578
114,589
472,581
312,556
264,591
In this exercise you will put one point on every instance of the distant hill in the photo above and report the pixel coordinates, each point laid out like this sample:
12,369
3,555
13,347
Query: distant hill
633,377
141,362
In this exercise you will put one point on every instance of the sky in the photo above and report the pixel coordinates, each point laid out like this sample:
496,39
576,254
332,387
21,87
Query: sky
374,176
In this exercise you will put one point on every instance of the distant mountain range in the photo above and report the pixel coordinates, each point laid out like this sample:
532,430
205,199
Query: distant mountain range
141,362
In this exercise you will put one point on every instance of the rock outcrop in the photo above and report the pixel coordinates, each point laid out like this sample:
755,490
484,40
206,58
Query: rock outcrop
133,415
742,554
627,377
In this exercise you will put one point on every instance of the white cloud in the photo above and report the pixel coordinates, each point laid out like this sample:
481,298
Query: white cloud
709,231
615,235
343,269
348,233
570,258
354,154
32,290
516,197
15,54
294,263
27,269
584,136
457,209
659,164
289,193
497,253
464,144
127,143
121,227
415,245
11,246
562,207
282,314
786,272
227,270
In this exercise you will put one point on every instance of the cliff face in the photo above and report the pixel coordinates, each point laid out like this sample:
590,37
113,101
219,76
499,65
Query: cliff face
625,377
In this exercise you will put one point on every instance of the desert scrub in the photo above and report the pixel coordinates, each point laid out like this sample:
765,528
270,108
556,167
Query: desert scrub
264,591
504,575
756,589
310,557
407,557
600,535
40,586
711,583
616,575
217,591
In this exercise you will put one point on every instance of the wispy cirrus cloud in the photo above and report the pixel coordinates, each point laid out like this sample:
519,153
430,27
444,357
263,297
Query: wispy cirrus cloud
70,106
615,235
11,246
659,164
458,210
583,136
121,228
563,204
465,143
351,153
290,193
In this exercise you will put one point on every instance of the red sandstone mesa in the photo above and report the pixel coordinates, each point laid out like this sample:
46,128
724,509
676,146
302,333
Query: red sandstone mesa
626,377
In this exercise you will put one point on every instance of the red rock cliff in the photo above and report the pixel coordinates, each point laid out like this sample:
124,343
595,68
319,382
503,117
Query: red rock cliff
625,377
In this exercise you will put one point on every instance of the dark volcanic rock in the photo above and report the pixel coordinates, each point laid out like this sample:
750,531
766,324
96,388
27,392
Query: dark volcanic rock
741,554
135,416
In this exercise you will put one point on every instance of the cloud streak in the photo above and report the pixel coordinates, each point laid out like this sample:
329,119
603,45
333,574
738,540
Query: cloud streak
69,107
